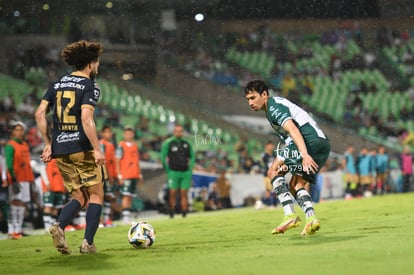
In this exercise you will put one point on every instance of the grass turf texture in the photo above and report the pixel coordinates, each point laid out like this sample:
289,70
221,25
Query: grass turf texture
365,236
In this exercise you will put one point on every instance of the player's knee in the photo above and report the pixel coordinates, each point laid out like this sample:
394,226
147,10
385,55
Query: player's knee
281,171
77,195
297,182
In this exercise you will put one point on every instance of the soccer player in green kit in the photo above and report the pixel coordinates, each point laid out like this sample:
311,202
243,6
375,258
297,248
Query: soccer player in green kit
177,157
305,152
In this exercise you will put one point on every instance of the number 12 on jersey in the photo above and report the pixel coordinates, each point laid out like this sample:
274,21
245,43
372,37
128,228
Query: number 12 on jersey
65,100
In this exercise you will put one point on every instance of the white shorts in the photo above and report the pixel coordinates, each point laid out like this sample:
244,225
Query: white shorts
23,195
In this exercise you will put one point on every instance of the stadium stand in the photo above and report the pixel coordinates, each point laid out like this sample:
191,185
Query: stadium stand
334,89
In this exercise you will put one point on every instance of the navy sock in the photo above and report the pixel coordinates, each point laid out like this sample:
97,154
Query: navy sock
68,212
93,215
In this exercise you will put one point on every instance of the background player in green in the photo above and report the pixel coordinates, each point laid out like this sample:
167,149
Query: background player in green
305,152
177,157
74,142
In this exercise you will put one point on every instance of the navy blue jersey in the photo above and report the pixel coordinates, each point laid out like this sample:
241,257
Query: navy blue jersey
66,98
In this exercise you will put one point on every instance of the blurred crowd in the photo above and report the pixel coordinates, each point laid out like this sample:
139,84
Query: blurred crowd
204,56
374,171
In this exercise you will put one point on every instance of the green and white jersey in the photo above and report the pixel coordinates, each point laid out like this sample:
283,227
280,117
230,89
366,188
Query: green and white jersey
279,110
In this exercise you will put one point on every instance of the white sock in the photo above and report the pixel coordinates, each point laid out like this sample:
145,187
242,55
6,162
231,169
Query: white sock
19,219
80,218
126,216
106,211
47,220
305,202
283,194
12,220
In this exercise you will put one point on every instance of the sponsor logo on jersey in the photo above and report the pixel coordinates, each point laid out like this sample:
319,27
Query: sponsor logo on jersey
67,137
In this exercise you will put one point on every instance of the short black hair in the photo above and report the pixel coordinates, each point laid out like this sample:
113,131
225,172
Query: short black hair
128,128
105,127
256,85
14,124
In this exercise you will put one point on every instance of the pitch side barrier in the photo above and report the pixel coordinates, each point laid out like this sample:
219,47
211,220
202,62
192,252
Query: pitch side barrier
244,186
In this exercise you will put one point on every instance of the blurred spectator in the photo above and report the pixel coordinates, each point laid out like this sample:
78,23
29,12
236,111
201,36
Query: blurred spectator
3,127
383,38
288,85
35,141
246,162
128,170
26,107
267,160
307,85
17,154
364,168
316,188
108,147
213,202
200,201
4,205
55,194
223,187
373,171
351,174
141,127
9,103
406,164
382,167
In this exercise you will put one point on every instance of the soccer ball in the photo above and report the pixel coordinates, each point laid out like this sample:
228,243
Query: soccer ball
141,234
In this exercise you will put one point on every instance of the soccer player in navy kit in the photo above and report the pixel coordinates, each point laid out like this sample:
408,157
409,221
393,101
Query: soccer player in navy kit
74,142
305,151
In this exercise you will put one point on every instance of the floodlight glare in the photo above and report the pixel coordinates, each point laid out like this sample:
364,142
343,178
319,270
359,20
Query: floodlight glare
199,17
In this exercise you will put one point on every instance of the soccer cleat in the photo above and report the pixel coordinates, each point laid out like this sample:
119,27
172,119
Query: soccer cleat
70,227
108,223
17,236
58,237
288,222
312,225
86,248
79,226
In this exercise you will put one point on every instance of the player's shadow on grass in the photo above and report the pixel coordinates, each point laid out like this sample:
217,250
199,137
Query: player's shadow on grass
321,238
78,263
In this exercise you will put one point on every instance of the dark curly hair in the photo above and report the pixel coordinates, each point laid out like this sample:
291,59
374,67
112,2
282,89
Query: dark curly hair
80,54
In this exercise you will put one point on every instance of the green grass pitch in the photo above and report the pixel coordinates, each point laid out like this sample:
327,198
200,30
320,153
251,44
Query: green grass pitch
362,236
